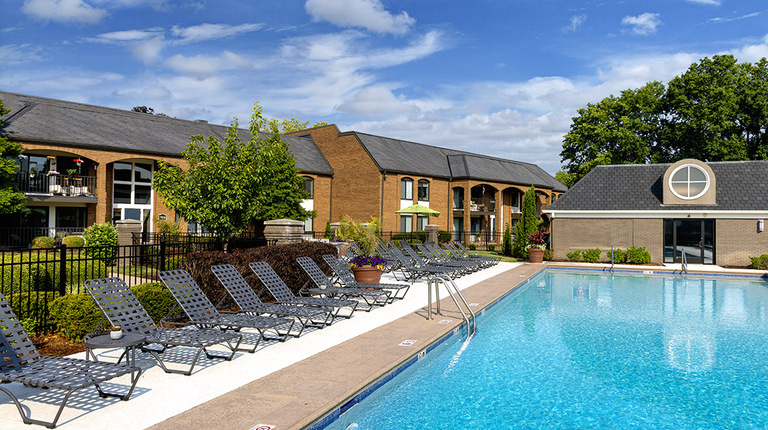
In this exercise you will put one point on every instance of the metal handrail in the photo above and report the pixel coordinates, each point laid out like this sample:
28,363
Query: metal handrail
612,264
685,263
449,283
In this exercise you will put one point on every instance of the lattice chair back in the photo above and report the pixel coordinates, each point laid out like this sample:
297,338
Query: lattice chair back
188,294
272,281
342,270
16,349
237,286
120,306
314,272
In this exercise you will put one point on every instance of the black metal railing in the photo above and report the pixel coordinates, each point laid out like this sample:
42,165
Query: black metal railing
61,185
21,237
476,205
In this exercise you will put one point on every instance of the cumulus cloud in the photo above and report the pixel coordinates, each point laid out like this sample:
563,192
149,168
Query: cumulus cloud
375,101
198,33
643,24
575,24
368,14
66,11
205,66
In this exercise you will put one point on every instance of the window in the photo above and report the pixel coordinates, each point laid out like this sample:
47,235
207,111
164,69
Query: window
689,182
423,190
309,186
406,189
70,216
458,198
421,222
132,192
406,223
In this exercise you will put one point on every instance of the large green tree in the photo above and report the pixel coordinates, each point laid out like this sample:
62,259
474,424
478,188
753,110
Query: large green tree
528,224
230,185
11,199
716,111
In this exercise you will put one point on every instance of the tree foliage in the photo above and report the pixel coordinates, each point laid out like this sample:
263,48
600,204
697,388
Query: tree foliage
230,185
528,224
716,111
11,199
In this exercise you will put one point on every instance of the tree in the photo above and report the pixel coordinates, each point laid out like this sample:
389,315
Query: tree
148,110
527,225
506,247
11,199
230,185
716,111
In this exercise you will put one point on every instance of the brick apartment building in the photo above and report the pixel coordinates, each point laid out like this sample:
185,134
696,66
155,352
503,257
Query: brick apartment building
85,164
714,213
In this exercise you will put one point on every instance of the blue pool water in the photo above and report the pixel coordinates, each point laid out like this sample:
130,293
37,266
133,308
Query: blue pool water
577,350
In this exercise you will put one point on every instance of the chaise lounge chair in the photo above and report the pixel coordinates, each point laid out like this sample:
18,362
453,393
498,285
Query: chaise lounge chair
371,297
347,278
23,364
202,313
248,301
283,294
120,307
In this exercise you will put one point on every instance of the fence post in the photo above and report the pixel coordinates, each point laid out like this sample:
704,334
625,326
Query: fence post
162,253
62,269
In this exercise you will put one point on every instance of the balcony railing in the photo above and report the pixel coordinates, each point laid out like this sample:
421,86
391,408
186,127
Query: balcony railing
477,205
57,185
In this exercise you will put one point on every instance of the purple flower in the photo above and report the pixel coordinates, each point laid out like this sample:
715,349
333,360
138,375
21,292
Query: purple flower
364,260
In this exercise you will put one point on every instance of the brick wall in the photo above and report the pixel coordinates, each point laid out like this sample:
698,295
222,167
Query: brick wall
571,234
736,240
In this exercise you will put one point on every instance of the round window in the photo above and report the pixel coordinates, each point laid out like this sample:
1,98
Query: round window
689,182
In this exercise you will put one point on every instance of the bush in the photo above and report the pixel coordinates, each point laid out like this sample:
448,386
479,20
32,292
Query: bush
39,271
42,242
101,240
282,258
73,241
638,255
328,233
760,263
591,255
574,255
32,308
421,236
549,255
472,247
619,256
75,315
155,298
506,247
491,247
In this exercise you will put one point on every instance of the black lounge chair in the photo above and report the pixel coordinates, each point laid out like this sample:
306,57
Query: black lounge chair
23,364
447,254
411,271
248,301
420,262
120,307
371,297
462,250
347,278
430,257
283,294
202,313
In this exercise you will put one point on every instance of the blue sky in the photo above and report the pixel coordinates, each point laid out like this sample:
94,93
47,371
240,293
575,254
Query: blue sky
502,78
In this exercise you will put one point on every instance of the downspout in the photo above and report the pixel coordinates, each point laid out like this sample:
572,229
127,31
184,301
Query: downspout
330,202
381,206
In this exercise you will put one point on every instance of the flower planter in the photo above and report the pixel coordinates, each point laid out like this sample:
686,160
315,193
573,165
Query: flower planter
535,255
367,274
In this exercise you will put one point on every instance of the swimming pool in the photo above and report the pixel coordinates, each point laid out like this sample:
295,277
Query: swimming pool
582,350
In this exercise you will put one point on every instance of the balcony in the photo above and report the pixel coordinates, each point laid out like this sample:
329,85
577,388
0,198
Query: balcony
57,187
477,205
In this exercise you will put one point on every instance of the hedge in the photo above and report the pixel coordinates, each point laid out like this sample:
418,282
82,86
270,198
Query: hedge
39,271
760,263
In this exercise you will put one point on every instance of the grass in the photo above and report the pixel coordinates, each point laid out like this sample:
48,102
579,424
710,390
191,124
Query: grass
496,254
134,270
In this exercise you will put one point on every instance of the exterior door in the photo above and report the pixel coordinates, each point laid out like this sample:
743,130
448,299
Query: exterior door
694,238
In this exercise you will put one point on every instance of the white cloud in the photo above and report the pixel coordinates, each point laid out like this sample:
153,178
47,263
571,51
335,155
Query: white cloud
707,2
148,51
127,35
575,24
18,54
375,101
74,11
198,33
737,18
205,66
368,14
643,24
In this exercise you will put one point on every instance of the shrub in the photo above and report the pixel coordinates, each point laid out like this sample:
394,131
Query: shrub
101,240
574,255
73,241
506,247
282,258
173,263
638,255
549,255
760,263
591,255
414,237
169,229
619,256
155,298
42,242
491,247
39,271
32,308
75,315
328,234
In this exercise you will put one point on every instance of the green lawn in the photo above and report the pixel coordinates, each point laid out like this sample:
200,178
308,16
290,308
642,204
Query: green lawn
496,254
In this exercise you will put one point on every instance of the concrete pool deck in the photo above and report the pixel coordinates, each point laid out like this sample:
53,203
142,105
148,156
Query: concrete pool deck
287,385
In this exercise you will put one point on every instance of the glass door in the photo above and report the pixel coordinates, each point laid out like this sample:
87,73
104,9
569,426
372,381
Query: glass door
695,238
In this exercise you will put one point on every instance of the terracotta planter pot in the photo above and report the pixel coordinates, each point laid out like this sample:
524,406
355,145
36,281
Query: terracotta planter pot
367,274
535,255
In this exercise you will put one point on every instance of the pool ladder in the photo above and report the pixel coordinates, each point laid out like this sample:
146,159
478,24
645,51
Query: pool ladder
453,291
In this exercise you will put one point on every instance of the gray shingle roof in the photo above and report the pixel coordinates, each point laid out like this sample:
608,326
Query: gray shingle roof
38,119
394,155
741,185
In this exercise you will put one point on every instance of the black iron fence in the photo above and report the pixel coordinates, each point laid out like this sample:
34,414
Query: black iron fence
21,237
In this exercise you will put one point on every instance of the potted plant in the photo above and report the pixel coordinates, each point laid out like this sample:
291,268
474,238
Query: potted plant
536,247
116,332
368,266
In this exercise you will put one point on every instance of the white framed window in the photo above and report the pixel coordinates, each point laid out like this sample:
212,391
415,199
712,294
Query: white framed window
406,189
689,182
406,223
309,186
421,222
423,190
132,192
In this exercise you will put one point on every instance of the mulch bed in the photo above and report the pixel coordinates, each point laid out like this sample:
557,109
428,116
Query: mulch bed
56,344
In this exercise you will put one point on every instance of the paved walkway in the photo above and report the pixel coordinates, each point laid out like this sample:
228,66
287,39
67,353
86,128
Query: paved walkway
287,384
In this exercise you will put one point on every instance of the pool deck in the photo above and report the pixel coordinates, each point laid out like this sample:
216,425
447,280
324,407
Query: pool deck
287,385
